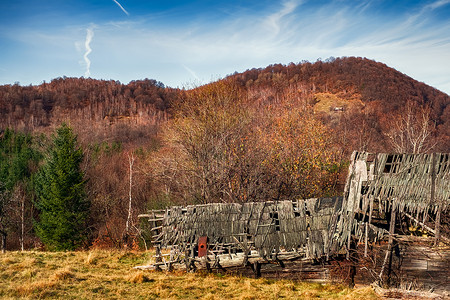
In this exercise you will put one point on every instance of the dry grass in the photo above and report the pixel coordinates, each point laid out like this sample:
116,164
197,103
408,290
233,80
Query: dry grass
62,274
109,275
328,101
139,277
91,258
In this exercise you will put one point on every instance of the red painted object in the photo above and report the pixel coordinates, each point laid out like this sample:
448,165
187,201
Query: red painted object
202,246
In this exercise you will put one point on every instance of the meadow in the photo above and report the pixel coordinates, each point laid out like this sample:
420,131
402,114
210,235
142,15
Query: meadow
109,274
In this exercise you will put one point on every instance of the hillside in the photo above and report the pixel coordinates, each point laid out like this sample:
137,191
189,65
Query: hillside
357,85
105,106
372,81
376,91
282,132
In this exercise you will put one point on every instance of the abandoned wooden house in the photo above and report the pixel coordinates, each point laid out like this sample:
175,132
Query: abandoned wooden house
381,190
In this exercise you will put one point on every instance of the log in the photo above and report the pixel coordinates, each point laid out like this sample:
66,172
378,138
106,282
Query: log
426,227
155,220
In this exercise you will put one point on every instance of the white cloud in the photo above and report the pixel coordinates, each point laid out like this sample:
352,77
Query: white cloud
436,4
192,73
121,7
291,32
89,36
281,37
274,20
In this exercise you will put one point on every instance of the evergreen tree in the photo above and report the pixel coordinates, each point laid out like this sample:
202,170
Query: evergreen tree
18,159
61,197
16,156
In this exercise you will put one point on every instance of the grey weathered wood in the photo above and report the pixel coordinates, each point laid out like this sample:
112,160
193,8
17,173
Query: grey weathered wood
426,227
366,241
390,242
313,227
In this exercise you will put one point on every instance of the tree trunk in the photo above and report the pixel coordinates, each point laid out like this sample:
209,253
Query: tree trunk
127,224
22,223
3,234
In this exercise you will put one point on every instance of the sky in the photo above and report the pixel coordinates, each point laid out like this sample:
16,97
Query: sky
188,43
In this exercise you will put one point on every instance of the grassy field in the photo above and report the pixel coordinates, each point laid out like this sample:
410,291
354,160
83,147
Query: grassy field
109,275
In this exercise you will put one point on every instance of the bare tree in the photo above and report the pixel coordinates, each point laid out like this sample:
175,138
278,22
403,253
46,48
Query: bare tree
223,148
19,199
131,160
412,130
3,219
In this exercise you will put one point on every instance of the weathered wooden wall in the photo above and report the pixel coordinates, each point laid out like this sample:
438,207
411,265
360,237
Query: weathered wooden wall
307,239
269,227
416,264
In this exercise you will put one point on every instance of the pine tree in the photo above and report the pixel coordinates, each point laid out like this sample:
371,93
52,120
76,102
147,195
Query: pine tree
61,197
18,159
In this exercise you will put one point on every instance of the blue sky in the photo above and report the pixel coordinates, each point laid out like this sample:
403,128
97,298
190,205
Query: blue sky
186,43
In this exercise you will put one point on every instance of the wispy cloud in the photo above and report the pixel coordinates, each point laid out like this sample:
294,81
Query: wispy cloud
283,32
276,18
436,4
291,33
190,71
121,7
89,36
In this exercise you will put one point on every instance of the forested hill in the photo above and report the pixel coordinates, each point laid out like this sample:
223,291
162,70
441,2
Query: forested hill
357,84
368,95
282,132
349,77
96,105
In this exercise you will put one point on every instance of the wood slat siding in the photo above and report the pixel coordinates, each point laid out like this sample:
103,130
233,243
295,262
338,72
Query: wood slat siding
416,265
405,180
300,226
314,229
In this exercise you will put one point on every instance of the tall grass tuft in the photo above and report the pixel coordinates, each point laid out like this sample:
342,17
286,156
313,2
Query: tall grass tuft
62,274
138,277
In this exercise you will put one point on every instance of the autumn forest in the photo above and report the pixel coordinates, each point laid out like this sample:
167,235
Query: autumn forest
275,133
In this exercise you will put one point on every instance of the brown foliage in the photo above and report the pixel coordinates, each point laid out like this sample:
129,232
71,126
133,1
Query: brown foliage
253,136
383,90
411,130
223,147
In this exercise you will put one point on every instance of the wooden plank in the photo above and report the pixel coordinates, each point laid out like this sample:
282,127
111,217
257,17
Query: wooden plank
390,242
426,227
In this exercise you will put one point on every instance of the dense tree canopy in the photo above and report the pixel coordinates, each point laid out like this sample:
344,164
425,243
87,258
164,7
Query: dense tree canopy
273,133
62,201
18,160
221,147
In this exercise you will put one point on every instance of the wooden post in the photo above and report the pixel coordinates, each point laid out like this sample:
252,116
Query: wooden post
367,226
356,197
3,246
437,226
187,261
158,257
257,269
350,223
390,242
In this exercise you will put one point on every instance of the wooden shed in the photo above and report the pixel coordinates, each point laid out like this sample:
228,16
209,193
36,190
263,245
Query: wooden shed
381,190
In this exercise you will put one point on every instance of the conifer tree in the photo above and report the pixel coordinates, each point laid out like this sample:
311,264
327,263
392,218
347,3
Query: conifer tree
18,159
61,197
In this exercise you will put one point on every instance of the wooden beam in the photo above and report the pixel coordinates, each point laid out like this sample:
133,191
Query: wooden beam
426,227
390,242
367,226
437,226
